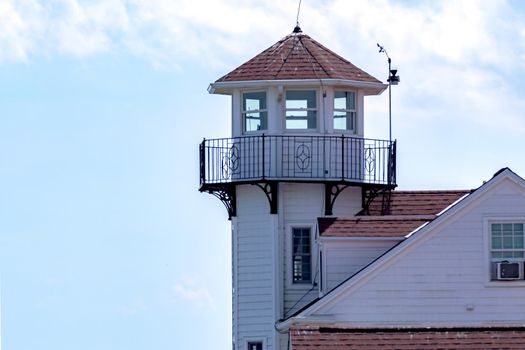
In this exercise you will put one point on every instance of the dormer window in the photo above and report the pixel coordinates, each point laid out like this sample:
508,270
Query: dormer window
301,109
254,112
344,110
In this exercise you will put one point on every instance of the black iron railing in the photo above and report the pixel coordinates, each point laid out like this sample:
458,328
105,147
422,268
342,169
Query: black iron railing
297,158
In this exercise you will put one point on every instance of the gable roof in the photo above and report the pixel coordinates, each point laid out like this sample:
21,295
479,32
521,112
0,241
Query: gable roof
332,338
395,252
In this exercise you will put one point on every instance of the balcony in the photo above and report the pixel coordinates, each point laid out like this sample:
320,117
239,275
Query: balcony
279,158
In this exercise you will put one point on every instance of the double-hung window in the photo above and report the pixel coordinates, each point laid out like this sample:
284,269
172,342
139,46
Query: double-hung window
301,109
506,246
302,255
344,110
254,111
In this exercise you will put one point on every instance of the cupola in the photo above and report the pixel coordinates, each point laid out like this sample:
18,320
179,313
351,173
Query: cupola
297,116
297,86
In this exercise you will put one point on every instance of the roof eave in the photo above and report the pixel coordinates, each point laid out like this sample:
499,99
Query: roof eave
227,87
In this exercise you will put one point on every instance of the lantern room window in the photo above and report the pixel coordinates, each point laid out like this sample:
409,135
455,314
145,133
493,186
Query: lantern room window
254,112
344,110
301,109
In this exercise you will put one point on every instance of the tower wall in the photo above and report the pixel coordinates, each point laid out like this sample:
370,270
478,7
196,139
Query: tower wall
255,288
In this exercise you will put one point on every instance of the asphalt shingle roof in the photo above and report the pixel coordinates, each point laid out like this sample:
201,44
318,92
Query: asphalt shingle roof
408,211
297,56
486,338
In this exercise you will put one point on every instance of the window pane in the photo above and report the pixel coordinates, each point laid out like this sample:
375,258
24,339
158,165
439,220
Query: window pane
301,119
254,101
518,242
301,260
254,111
496,242
496,229
255,121
301,99
507,229
518,229
344,100
301,109
344,120
507,242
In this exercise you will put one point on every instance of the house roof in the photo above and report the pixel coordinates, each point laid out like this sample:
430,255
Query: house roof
333,338
418,202
408,211
297,56
371,226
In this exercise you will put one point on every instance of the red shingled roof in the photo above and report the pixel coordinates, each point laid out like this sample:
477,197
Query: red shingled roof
297,56
408,211
418,202
486,338
370,226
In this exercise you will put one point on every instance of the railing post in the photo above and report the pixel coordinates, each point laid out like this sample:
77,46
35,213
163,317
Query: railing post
202,162
342,157
263,158
393,166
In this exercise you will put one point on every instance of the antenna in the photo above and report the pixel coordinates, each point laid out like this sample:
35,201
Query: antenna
298,11
393,79
297,29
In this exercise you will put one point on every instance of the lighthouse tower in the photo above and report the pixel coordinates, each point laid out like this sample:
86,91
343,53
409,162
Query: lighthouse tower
297,153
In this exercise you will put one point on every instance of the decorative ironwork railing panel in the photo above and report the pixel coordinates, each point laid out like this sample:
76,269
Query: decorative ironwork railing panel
297,158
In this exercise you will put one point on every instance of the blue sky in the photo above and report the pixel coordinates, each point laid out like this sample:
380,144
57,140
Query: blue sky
105,241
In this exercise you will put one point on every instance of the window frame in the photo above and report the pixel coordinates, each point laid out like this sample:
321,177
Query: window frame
491,281
354,111
301,282
307,110
249,341
244,113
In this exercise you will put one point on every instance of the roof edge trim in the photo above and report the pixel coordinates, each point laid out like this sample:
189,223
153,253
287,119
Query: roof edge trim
225,87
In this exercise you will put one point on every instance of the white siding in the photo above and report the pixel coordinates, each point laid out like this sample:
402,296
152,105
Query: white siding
348,203
253,268
302,204
443,278
342,258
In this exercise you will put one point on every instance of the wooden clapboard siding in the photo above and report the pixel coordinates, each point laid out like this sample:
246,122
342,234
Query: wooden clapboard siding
441,277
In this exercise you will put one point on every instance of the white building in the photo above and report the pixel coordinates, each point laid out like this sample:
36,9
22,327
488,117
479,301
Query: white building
326,254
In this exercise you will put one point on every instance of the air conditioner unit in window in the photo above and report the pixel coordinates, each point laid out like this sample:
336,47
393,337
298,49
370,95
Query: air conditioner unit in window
510,270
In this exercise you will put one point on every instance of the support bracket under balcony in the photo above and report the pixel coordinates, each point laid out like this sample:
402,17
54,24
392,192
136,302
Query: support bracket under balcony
372,194
331,191
270,190
227,195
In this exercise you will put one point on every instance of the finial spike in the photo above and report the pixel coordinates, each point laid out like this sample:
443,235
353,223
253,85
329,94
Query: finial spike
297,29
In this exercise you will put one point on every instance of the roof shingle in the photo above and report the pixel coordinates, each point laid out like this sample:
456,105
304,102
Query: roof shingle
297,56
487,338
408,211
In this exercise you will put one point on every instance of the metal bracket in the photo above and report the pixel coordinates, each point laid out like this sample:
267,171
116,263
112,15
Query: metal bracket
227,195
370,194
331,191
270,190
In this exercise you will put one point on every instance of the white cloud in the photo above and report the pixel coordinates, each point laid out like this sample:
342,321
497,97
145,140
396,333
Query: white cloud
17,29
189,290
170,32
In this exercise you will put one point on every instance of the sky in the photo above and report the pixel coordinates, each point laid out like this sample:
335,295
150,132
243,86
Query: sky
105,241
